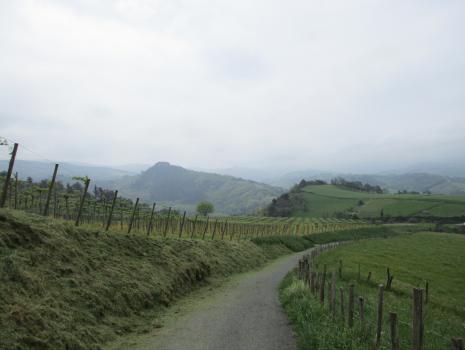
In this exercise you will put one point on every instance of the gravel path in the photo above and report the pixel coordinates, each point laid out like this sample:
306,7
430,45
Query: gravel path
246,314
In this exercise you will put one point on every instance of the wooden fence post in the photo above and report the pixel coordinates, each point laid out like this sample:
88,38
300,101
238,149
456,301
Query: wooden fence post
167,222
369,277
81,205
322,286
193,226
379,316
341,292
394,331
8,176
206,227
457,344
16,191
50,189
350,319
333,293
426,292
214,228
182,224
361,303
417,323
389,279
133,215
110,216
224,229
312,282
150,225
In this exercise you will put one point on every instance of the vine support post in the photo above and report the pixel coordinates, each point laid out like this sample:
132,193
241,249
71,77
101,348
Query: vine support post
131,222
50,190
167,222
193,226
110,216
16,190
81,205
182,224
8,176
149,227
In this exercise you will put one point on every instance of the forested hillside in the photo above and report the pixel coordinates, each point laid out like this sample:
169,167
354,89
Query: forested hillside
173,185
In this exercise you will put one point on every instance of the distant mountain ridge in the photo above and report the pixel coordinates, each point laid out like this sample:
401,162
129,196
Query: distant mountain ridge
412,181
39,170
182,188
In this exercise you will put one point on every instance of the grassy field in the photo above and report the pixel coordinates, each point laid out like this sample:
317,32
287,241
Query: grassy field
63,287
413,259
328,200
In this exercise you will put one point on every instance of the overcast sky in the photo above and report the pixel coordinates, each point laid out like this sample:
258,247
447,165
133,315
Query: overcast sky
210,84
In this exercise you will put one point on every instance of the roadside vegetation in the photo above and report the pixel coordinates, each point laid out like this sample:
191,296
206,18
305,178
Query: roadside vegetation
64,287
436,258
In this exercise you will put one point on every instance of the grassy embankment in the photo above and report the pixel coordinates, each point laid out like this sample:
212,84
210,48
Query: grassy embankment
330,200
63,287
413,259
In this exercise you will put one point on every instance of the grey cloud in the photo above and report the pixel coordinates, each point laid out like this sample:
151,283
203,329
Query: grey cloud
204,84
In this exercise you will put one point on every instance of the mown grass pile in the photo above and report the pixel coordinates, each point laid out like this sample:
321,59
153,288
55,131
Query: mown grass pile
413,259
63,287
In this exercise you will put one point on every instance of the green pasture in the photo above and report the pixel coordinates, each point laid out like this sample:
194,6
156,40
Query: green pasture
414,260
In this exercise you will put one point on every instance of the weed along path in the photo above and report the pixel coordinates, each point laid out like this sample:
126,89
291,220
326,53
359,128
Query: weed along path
244,313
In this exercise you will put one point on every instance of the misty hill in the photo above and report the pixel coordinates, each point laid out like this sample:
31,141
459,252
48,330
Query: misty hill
317,199
39,170
183,188
418,182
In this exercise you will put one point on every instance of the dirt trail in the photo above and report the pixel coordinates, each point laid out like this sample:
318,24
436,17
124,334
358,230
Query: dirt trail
245,313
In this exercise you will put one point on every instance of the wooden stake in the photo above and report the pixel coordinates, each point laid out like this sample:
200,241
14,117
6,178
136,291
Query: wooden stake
206,227
193,227
341,293
333,293
312,282
426,292
389,279
417,323
224,229
394,331
457,344
131,222
81,205
16,190
322,286
149,227
350,319
8,176
361,304
214,228
110,216
379,316
50,189
182,224
167,222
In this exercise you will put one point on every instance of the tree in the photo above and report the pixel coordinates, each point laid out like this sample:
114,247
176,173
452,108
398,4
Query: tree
205,208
